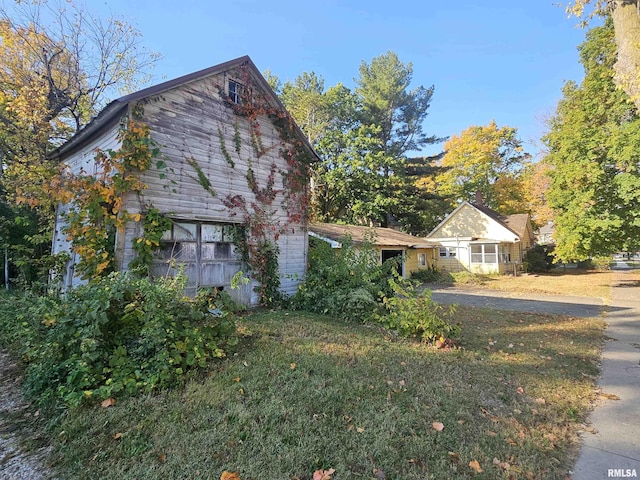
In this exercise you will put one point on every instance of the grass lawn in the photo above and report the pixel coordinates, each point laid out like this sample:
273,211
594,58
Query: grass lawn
588,283
308,392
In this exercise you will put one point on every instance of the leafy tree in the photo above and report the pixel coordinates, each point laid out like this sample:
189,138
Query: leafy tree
363,137
306,101
485,159
59,65
386,103
535,184
594,144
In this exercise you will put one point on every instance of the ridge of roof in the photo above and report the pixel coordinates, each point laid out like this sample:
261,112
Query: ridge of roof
114,110
516,222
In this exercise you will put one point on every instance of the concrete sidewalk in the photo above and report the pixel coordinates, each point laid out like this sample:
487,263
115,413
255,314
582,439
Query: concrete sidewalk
613,450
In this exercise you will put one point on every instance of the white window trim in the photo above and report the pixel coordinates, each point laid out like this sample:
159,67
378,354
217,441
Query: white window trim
236,95
422,260
483,253
449,252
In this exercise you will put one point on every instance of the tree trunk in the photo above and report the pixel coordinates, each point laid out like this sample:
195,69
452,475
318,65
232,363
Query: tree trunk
626,22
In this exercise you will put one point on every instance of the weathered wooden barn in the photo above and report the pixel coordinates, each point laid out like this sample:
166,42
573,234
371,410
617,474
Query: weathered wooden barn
220,166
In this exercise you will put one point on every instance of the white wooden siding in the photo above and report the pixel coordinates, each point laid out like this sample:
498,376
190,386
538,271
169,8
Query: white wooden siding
82,160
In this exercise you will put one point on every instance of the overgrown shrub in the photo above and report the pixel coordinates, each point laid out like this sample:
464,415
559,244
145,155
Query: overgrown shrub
347,283
414,314
596,263
122,335
350,284
538,259
431,275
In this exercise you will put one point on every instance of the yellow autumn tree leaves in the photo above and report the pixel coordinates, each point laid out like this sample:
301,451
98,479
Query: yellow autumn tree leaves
484,159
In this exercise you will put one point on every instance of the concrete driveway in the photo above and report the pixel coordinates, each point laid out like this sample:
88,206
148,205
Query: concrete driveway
613,449
499,300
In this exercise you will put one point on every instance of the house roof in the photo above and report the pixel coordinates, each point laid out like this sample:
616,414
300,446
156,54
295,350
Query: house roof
379,236
517,222
111,114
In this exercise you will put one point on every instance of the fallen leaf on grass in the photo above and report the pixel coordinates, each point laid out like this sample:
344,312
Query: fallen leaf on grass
438,426
491,434
162,458
541,401
609,396
229,476
379,474
117,436
520,390
502,465
322,474
293,366
454,457
359,429
476,466
109,402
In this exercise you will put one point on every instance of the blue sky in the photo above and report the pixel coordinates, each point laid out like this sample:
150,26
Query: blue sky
497,59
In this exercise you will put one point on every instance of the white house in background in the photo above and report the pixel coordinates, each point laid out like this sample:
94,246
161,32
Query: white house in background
478,239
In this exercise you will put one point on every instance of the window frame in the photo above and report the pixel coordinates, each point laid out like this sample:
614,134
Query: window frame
483,253
422,259
235,95
449,252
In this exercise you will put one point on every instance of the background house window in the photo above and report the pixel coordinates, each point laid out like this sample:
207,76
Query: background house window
422,259
235,91
484,253
447,252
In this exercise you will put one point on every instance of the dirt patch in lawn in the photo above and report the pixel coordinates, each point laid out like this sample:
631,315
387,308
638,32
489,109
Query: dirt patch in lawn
16,463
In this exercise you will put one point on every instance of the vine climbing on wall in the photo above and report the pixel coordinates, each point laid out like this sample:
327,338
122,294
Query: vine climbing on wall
262,226
95,209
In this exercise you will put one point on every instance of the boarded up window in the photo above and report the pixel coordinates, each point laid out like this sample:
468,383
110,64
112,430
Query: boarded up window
204,251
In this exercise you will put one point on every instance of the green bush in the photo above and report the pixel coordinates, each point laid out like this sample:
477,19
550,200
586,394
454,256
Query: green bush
122,335
431,275
414,314
596,263
347,283
538,259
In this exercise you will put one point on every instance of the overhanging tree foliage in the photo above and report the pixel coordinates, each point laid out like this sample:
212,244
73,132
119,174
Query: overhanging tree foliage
626,21
594,145
59,65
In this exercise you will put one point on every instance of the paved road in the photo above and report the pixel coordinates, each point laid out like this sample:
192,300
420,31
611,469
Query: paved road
499,300
613,451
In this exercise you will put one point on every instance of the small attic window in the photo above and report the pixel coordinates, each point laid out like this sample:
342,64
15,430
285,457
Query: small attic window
235,91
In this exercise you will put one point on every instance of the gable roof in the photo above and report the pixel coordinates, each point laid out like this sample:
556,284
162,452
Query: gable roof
378,236
516,223
111,114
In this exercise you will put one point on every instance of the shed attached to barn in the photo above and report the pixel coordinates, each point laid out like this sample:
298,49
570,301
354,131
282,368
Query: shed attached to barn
415,253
